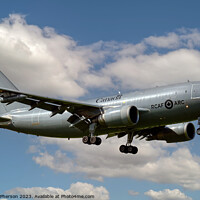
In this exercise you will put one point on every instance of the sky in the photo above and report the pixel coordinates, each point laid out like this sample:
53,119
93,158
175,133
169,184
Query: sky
86,49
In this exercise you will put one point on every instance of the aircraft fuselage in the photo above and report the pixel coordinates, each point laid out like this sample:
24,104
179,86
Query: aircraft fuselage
163,106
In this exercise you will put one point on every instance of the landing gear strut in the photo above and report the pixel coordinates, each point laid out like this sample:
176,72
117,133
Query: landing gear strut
128,148
91,139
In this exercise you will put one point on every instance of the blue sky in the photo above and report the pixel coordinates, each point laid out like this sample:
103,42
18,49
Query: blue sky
89,49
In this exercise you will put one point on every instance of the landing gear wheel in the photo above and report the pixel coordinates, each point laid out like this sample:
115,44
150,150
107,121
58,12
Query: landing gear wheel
98,141
132,149
198,131
86,140
123,149
128,149
93,140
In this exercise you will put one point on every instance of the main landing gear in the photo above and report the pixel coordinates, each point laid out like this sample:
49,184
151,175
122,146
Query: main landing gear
91,139
128,148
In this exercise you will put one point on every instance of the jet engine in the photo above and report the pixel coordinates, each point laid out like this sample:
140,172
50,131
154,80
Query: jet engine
119,117
174,133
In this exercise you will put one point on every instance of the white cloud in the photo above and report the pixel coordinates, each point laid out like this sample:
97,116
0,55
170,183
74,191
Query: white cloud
39,60
42,61
153,162
144,70
83,189
133,193
167,195
190,37
33,149
183,38
170,41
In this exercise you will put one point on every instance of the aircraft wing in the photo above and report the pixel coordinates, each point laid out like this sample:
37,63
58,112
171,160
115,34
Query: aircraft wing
81,111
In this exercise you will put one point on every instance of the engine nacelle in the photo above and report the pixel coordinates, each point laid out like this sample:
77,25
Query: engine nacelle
174,133
119,117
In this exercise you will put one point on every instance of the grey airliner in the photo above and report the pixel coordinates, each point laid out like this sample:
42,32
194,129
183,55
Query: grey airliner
161,113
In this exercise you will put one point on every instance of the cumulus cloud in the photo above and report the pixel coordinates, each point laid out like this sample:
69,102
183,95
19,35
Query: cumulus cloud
183,38
83,189
178,62
170,41
39,60
154,162
172,67
167,195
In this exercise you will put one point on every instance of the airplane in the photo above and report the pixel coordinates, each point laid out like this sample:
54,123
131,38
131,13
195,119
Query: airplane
160,113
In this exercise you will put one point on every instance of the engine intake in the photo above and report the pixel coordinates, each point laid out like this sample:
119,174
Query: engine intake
174,133
119,117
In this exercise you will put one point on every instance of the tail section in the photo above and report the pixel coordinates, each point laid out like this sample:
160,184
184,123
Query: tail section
6,83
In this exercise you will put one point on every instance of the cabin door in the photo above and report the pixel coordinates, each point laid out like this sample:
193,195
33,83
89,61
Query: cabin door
195,93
